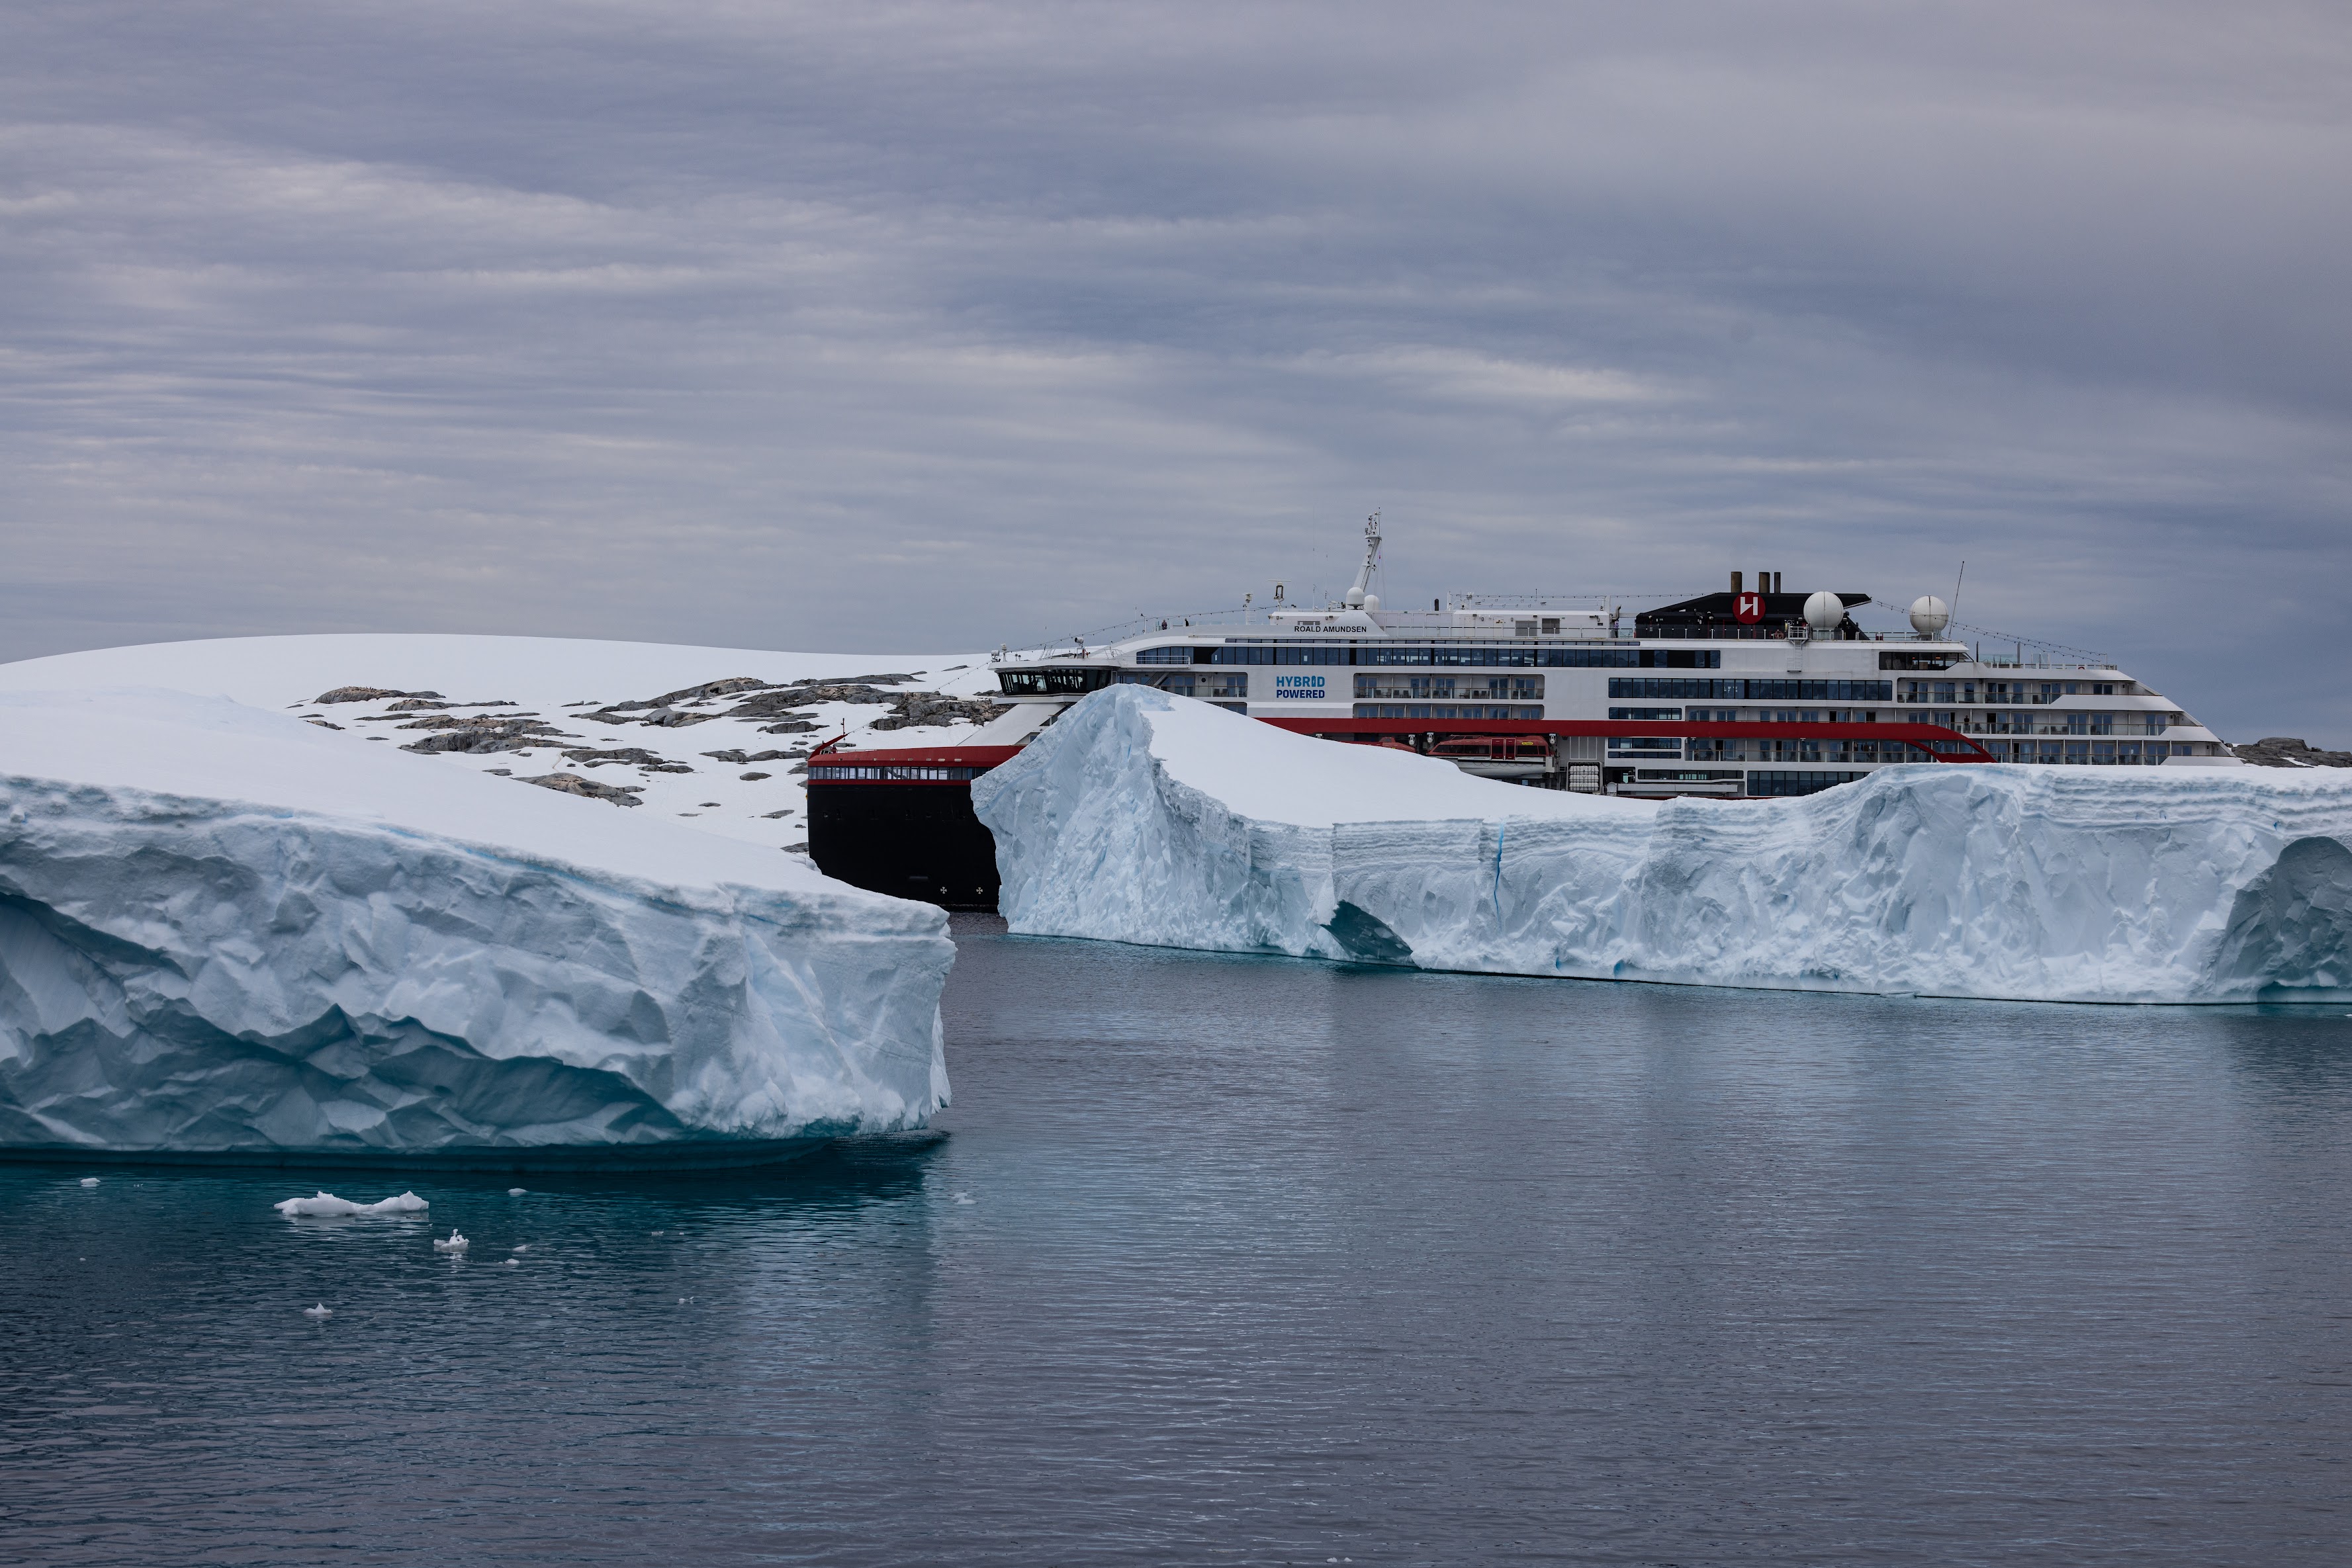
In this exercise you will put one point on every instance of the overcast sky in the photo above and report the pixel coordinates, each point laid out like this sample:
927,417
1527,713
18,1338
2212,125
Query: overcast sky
907,327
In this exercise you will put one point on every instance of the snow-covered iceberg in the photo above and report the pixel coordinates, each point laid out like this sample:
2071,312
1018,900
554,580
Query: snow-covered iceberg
225,932
1142,817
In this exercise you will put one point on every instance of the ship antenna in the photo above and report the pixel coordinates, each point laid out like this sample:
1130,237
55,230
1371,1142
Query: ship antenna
1956,589
1372,560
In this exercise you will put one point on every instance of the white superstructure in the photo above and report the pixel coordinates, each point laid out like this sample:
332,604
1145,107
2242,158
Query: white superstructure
1759,692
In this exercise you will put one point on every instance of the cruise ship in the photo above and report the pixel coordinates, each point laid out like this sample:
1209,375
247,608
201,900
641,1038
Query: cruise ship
1753,691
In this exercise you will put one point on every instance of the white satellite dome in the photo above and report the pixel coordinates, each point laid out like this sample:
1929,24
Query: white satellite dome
1824,612
1929,615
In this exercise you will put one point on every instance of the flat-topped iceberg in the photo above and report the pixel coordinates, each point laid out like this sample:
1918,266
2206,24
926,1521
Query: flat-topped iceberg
227,933
1141,818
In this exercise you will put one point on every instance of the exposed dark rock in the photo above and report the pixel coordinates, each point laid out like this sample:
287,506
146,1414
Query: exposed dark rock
365,694
706,802
790,726
479,733
772,815
709,689
519,724
913,709
411,705
755,778
798,849
777,756
777,703
572,784
322,724
2285,751
735,757
636,756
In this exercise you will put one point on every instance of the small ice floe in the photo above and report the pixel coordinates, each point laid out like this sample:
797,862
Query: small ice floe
521,1246
517,1191
456,1243
965,1197
511,1262
321,1311
327,1206
656,1233
90,1181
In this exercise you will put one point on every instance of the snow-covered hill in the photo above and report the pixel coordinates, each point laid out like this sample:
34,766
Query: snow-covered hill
538,706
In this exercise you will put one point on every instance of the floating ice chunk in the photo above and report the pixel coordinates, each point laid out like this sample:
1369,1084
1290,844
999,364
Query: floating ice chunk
228,931
520,1246
90,1181
510,1262
321,1311
516,1191
327,1206
456,1243
1142,817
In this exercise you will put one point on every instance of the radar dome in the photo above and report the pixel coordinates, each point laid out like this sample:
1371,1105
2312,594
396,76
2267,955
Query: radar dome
1371,601
1929,615
1824,612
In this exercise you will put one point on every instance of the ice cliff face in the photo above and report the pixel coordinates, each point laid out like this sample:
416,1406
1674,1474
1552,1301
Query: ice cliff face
1143,818
222,932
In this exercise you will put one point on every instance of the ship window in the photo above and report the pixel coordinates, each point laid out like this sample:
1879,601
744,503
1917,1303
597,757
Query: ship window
1176,654
1229,685
1587,658
1444,710
1052,683
1655,714
1552,625
1797,783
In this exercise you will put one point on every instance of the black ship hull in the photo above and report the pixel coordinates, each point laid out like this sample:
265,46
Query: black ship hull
907,839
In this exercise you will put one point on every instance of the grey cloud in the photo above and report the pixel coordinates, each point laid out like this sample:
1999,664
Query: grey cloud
939,325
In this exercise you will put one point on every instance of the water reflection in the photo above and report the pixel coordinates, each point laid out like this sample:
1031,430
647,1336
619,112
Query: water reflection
1258,1260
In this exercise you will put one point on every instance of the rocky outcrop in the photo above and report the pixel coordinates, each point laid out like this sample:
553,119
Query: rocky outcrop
481,733
911,710
572,784
365,694
865,691
2285,751
636,756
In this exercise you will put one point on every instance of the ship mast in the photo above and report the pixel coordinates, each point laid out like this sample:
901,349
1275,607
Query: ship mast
1358,596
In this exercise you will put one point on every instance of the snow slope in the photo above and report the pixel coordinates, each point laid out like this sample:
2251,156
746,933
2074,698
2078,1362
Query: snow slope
560,681
1144,818
227,930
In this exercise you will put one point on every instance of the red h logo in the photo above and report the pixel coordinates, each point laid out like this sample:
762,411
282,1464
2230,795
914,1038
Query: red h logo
1748,608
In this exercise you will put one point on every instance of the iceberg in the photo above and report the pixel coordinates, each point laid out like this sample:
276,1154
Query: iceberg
327,1206
1138,817
229,934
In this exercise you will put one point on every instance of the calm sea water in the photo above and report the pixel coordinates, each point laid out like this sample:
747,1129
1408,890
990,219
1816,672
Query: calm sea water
1226,1261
